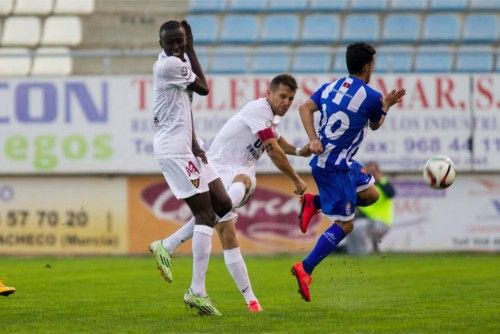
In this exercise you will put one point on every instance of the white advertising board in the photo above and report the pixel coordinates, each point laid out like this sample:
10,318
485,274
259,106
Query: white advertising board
103,124
466,216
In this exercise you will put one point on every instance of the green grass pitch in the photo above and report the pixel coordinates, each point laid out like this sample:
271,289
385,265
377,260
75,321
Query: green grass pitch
432,293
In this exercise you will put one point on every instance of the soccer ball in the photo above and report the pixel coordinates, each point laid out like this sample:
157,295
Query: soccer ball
439,172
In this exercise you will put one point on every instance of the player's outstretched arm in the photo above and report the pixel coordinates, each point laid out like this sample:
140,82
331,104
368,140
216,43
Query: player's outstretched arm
307,111
293,150
200,85
280,160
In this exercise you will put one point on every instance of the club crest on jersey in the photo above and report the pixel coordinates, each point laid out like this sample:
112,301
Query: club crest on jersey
346,84
195,182
184,71
348,208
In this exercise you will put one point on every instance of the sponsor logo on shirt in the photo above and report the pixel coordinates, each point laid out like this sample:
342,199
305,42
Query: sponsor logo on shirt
184,71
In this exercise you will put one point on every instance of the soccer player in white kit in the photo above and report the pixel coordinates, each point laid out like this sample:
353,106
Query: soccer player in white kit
233,154
176,73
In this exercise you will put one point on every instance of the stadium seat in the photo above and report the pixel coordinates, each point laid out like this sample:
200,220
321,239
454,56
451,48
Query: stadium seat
250,6
312,60
401,28
368,5
497,62
441,28
38,7
207,6
14,61
21,31
408,5
240,29
321,28
485,4
434,59
448,5
271,60
52,61
339,63
204,27
287,6
474,59
481,28
230,60
280,28
361,27
6,7
394,59
203,55
77,7
62,31
328,5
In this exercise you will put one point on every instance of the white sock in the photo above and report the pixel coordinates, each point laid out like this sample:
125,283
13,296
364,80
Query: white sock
202,246
236,192
238,270
183,234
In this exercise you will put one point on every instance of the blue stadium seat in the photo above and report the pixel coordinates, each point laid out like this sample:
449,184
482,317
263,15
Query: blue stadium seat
240,29
394,59
312,60
474,59
203,57
485,4
328,5
369,5
230,60
204,28
250,6
481,28
271,60
497,67
280,28
447,5
408,5
287,5
441,28
434,59
339,63
207,6
361,27
319,28
401,28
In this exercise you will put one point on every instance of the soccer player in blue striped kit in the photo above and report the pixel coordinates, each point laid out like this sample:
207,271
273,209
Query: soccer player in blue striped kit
347,106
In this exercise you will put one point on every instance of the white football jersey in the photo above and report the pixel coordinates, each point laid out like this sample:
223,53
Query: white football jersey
172,107
237,143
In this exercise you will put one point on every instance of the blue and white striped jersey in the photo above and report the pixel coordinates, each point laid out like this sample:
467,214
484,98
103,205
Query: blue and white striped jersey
345,105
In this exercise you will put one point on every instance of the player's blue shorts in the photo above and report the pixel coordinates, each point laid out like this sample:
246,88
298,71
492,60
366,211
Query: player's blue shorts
338,188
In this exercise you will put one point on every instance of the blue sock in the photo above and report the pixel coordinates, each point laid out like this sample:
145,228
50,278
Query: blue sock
325,245
317,202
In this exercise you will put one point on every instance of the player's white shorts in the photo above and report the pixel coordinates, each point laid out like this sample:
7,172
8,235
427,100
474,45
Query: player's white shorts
227,174
185,176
